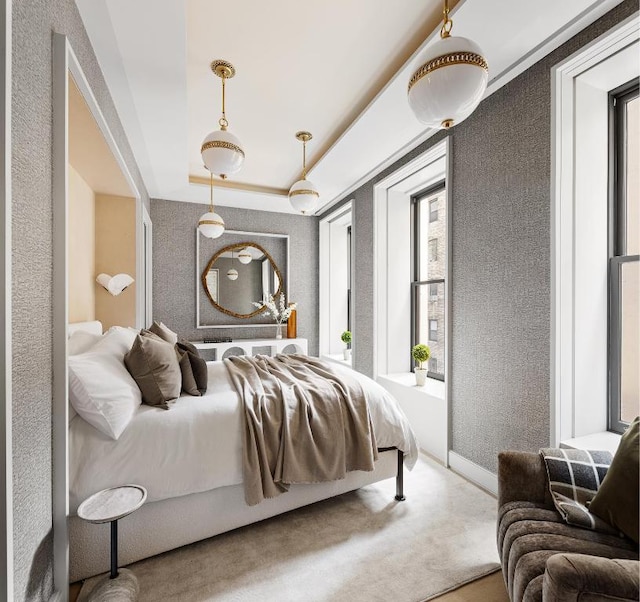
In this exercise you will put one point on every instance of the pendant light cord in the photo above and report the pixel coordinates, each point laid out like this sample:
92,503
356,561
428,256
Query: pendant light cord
223,120
304,159
447,23
211,193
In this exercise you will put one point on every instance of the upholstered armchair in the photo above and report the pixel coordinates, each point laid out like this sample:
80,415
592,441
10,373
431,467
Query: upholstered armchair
545,559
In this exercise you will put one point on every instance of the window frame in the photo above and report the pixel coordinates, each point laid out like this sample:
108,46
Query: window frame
349,280
432,212
618,100
433,332
416,283
432,244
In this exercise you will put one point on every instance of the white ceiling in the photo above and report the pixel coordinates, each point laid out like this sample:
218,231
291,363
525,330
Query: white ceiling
300,66
338,68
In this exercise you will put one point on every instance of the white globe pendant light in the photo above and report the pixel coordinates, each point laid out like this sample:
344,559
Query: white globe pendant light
211,224
245,256
221,151
232,273
451,79
303,195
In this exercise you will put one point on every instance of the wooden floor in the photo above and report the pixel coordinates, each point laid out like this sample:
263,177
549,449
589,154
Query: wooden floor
488,589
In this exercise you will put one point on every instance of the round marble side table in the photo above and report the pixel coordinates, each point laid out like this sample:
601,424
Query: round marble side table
108,506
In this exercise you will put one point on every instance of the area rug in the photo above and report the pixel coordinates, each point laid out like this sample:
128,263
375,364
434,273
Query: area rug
360,546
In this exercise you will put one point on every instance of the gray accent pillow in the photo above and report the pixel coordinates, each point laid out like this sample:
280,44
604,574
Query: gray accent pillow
189,384
154,366
198,366
574,477
165,333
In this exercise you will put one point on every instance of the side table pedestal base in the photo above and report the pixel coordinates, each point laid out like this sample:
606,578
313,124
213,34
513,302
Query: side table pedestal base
123,588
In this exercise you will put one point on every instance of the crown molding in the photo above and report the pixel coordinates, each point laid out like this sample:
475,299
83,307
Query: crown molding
204,181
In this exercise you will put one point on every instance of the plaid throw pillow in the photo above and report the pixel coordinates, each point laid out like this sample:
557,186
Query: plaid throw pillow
574,478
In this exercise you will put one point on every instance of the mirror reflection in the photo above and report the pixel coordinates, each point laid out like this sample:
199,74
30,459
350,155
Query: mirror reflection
239,274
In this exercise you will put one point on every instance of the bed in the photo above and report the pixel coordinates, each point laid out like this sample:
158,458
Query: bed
189,460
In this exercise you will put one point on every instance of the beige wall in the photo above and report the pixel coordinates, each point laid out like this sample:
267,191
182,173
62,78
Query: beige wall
115,245
81,249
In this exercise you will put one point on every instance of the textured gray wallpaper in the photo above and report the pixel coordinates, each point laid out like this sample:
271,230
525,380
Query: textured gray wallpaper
501,281
33,24
174,251
501,264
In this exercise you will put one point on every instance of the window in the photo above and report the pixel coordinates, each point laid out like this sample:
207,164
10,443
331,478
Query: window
349,283
433,330
433,249
428,286
433,210
624,262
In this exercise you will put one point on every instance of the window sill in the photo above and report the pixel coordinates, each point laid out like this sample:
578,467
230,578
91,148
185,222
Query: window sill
596,441
432,388
338,358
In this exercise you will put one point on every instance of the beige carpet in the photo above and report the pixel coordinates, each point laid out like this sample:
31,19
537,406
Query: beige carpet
359,546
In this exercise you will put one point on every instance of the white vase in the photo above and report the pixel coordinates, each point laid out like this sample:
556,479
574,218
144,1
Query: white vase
278,331
421,376
346,354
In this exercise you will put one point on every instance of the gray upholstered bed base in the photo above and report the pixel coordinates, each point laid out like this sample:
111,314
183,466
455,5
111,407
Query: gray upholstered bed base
161,526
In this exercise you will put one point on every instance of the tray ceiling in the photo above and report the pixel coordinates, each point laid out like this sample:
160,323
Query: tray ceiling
337,68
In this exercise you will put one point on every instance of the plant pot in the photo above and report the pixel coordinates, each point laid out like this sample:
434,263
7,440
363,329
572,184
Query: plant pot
421,376
346,354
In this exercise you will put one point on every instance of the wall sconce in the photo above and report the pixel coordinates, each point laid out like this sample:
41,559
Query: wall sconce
114,284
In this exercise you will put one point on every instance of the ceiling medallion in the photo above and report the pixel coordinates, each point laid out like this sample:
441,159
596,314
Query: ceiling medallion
211,224
303,195
451,79
221,151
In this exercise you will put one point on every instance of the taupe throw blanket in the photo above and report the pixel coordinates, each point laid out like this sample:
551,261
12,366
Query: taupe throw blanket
302,423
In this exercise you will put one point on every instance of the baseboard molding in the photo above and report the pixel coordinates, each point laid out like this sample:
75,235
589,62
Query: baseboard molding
473,472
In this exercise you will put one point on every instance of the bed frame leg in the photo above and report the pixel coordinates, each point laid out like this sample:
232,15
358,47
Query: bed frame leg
400,478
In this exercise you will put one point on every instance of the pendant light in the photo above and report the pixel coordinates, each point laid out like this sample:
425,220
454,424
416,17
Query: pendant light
451,79
211,224
221,151
245,256
303,195
232,274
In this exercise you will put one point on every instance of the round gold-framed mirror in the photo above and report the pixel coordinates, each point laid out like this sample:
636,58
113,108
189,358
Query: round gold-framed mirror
239,274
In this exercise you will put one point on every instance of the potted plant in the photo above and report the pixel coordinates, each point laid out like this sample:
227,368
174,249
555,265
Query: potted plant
345,337
421,353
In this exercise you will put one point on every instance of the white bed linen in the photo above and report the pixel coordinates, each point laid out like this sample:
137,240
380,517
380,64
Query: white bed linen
196,445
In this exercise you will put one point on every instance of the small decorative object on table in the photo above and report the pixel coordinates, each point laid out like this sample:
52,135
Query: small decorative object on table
346,338
279,313
421,353
292,323
108,506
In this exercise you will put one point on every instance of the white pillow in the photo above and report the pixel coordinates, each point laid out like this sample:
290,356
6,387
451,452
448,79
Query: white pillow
81,341
101,389
118,340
